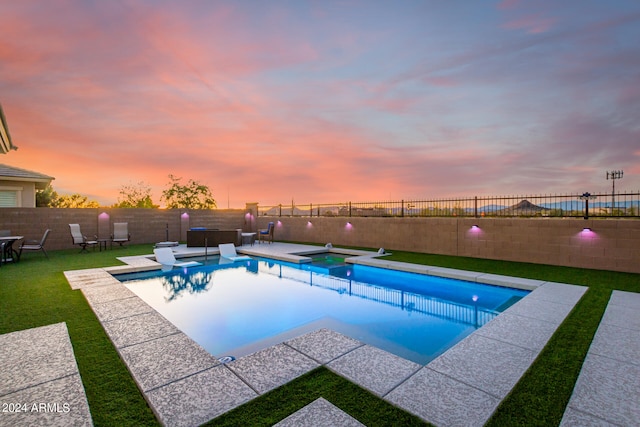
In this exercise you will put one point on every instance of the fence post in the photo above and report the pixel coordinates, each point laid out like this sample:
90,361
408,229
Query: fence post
475,206
280,209
311,210
402,209
349,209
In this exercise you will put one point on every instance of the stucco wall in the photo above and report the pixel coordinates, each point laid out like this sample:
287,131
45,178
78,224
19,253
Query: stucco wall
611,245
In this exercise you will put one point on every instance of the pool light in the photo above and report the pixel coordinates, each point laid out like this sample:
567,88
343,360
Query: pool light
348,225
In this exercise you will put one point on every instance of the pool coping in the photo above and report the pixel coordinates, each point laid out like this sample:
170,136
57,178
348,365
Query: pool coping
188,386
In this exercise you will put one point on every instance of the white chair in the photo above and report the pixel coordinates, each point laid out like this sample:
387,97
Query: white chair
165,257
81,240
228,251
120,233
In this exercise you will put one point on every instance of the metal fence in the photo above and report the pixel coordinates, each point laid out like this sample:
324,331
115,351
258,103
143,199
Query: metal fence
601,205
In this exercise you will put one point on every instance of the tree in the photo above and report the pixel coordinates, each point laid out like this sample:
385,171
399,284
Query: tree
191,196
135,196
49,198
75,201
46,198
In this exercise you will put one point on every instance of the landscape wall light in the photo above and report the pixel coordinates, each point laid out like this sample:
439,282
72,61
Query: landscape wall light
587,232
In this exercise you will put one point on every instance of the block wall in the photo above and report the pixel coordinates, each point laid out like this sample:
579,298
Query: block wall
145,225
610,245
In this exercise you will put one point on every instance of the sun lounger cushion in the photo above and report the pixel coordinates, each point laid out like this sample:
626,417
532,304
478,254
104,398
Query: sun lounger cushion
228,251
165,257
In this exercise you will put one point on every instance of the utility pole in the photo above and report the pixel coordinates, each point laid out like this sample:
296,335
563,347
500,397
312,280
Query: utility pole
613,175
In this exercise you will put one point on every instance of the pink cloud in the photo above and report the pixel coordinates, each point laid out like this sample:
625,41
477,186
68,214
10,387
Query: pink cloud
274,107
534,24
507,4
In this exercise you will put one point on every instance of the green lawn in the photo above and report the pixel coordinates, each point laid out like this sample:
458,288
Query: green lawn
35,293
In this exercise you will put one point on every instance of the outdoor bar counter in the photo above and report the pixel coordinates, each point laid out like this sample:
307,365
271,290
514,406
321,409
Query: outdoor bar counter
214,237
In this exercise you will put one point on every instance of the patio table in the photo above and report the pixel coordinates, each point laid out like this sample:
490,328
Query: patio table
8,253
248,238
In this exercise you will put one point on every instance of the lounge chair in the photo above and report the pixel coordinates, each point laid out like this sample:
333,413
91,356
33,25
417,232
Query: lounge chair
266,233
228,251
35,245
165,257
80,239
120,233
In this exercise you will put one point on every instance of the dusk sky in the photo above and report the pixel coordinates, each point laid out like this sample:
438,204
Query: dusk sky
324,101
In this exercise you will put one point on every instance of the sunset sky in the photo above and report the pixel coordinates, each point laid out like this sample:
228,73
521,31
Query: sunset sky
324,101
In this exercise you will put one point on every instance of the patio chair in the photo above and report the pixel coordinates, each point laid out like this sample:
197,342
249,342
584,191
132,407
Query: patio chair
120,233
35,245
80,239
165,257
266,233
228,251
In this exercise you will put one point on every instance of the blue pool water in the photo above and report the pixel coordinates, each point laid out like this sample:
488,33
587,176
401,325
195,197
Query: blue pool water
234,309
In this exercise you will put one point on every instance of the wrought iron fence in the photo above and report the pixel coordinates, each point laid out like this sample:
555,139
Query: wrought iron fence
600,205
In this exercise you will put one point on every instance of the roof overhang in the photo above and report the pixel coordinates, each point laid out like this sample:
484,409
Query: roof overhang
41,183
5,137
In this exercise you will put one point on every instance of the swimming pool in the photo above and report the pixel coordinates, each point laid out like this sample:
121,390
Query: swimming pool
234,309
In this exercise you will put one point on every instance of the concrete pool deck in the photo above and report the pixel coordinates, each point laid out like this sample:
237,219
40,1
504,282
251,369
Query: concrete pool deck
185,385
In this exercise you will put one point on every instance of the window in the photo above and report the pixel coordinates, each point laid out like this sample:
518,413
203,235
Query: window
10,197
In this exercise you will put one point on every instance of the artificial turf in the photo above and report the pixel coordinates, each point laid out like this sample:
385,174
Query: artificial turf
34,292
